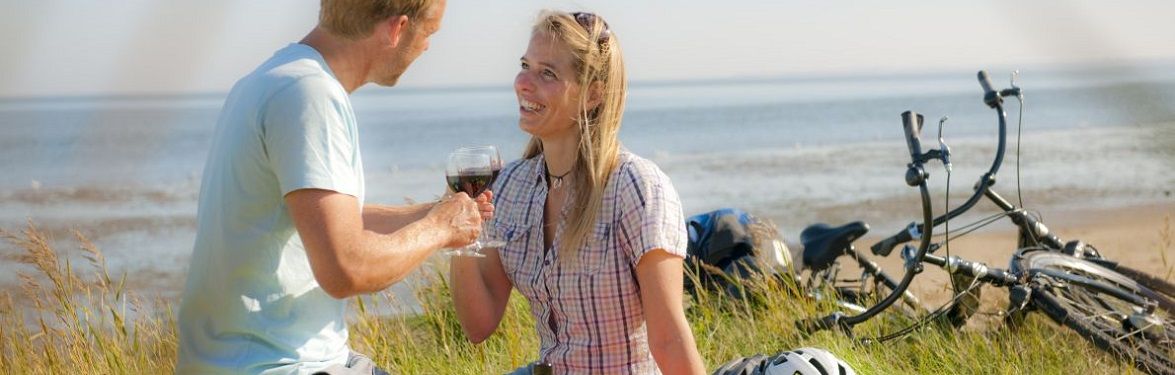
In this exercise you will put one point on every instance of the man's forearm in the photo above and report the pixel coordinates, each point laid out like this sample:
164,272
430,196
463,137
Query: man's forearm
385,219
392,256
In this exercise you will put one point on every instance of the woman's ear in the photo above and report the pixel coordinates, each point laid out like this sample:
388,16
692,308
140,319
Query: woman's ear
595,95
395,28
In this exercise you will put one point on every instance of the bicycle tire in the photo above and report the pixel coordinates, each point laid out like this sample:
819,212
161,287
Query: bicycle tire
1099,316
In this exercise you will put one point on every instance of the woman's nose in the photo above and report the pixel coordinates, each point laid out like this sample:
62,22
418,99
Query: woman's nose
522,82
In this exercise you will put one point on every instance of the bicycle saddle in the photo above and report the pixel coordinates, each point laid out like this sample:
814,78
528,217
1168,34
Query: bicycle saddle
824,243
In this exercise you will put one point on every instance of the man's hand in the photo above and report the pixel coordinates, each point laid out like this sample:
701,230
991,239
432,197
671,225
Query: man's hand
458,215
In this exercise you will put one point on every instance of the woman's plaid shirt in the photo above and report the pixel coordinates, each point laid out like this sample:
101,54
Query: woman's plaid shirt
589,315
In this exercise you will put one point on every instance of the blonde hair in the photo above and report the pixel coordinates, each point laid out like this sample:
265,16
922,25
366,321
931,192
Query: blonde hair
355,19
597,58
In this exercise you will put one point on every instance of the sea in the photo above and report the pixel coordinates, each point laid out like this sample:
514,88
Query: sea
124,171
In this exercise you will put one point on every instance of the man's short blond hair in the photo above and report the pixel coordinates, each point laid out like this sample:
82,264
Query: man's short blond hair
355,19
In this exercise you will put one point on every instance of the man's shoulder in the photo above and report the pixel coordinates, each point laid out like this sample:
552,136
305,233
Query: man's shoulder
296,69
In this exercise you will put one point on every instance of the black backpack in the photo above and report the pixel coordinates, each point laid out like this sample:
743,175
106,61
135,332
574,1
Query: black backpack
721,251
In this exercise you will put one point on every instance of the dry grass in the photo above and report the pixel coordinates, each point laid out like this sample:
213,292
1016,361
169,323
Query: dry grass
89,323
71,323
1166,239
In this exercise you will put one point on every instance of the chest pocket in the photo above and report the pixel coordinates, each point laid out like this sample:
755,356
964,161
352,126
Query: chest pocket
599,251
515,254
511,232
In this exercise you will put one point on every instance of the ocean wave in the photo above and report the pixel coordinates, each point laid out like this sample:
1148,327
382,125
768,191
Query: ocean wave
38,195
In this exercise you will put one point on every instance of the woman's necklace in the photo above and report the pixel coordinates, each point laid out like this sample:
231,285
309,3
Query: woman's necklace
557,180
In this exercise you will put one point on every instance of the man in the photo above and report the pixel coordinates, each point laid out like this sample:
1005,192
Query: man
283,236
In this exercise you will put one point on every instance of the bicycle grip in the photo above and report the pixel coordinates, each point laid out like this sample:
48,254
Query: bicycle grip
886,246
985,81
912,124
990,97
811,325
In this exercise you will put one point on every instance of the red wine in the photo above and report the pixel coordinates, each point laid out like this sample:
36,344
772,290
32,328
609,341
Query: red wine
471,182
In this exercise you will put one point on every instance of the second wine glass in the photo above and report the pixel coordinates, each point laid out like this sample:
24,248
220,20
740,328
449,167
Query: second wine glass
489,237
471,173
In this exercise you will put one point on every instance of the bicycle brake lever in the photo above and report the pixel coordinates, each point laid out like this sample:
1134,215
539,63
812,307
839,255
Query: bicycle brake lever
908,253
1014,90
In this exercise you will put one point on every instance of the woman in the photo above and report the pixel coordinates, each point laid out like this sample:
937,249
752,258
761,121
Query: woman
595,234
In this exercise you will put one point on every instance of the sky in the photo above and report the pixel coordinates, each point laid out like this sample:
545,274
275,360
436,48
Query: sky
133,47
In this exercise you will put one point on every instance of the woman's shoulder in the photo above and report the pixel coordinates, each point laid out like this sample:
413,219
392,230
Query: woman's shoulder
519,167
516,172
632,169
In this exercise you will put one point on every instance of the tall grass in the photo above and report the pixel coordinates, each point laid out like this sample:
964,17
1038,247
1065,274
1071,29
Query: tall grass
63,321
1166,239
66,322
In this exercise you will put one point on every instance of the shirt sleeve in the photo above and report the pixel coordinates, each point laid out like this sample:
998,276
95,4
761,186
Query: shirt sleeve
651,215
308,141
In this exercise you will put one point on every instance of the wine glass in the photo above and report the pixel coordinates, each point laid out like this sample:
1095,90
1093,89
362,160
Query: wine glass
471,173
489,237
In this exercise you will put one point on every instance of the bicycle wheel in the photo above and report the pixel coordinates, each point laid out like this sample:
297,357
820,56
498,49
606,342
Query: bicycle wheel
1151,282
1088,251
1093,300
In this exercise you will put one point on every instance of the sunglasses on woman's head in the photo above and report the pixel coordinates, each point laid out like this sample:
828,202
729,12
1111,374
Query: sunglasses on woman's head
586,19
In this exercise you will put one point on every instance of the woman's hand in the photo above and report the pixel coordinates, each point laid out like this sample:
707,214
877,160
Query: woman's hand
485,206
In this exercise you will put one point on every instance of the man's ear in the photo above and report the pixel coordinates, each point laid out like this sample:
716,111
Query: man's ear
595,95
396,27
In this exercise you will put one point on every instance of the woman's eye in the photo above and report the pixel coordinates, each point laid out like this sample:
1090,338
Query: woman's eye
524,66
549,75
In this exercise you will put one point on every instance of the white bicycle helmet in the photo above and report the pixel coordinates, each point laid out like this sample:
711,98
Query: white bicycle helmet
806,361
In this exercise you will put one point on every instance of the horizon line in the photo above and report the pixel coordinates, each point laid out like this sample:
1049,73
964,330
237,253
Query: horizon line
796,77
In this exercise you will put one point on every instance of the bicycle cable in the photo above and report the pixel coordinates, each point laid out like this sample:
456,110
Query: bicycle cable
975,225
933,315
1019,132
946,224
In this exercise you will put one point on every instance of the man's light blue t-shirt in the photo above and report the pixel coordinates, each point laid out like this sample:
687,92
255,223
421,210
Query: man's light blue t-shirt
251,304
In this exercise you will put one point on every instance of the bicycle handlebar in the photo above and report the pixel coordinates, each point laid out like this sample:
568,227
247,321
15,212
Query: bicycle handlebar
915,176
992,98
886,246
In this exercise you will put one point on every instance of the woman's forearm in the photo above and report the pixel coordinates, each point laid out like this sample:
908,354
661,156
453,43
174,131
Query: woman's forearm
479,295
676,352
670,338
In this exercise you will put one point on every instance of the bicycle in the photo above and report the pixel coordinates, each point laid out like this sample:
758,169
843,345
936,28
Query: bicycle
1121,310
